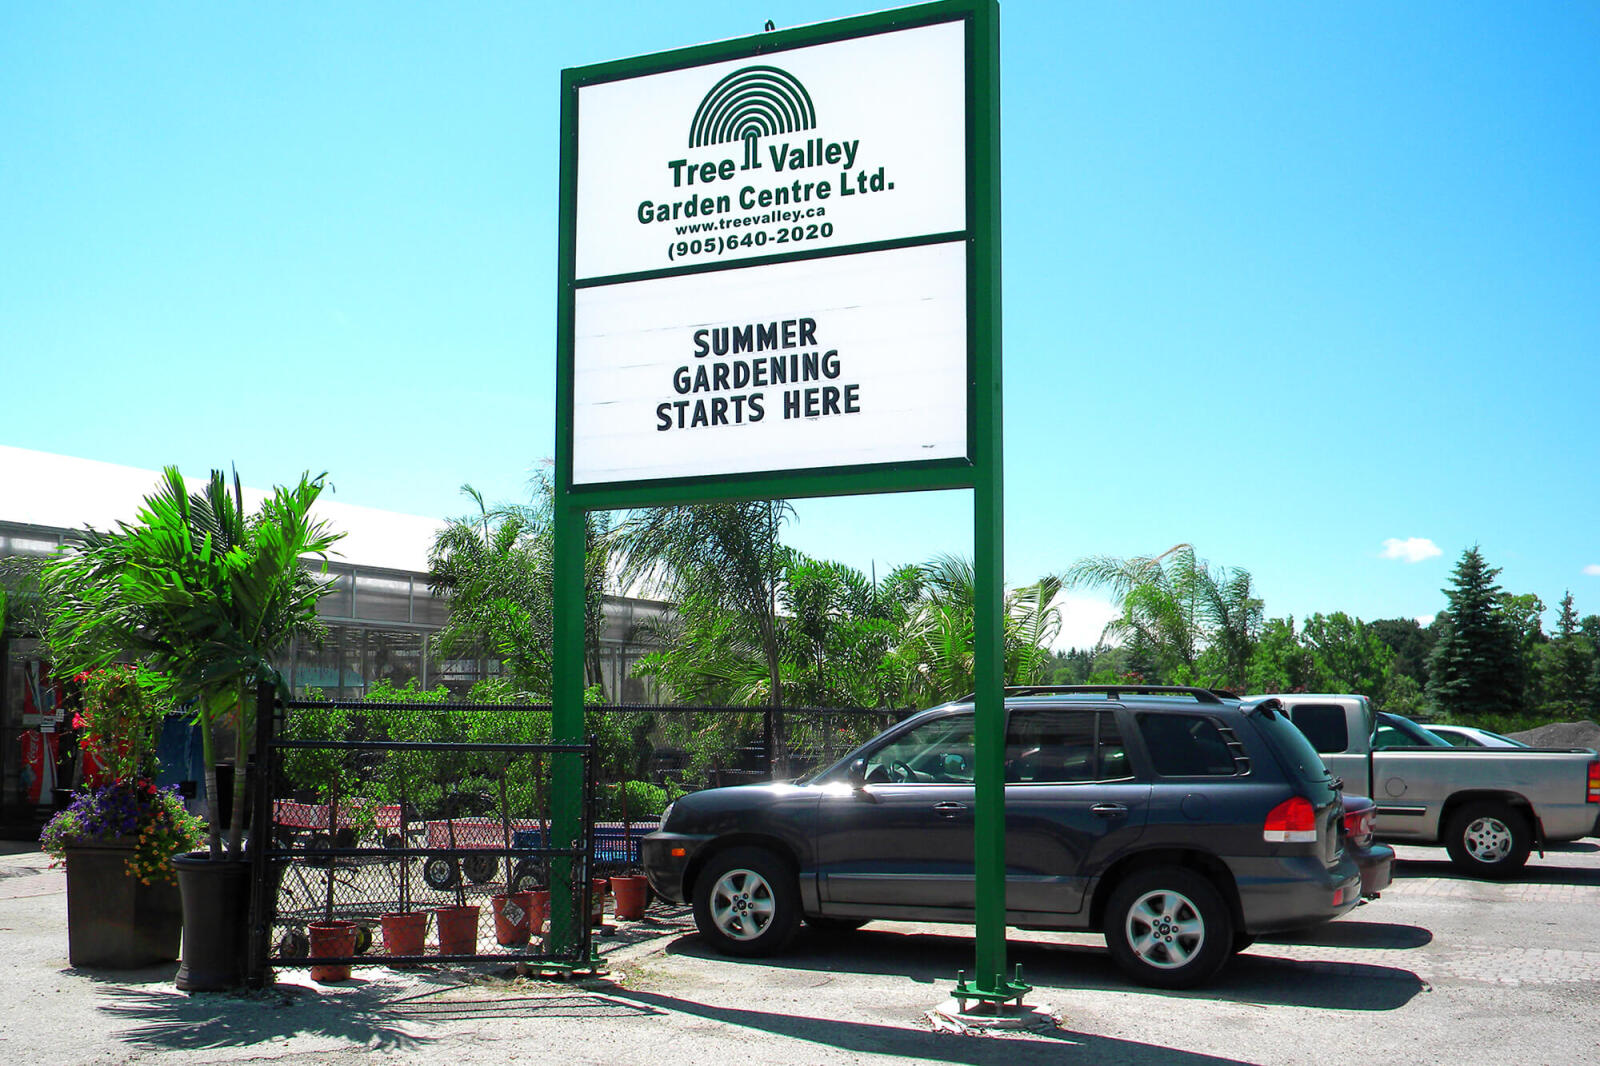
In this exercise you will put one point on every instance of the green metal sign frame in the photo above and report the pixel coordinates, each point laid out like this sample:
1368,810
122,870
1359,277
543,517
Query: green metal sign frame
981,470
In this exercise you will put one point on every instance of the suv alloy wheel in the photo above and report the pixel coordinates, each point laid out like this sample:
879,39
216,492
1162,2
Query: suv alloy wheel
1168,927
746,902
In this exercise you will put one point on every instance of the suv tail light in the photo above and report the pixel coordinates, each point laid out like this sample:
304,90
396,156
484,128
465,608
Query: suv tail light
1594,782
1294,821
1358,825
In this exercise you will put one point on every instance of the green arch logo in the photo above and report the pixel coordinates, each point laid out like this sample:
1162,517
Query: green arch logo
752,102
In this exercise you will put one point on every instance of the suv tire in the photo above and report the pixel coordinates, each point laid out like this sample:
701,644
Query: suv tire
1168,927
747,902
1488,839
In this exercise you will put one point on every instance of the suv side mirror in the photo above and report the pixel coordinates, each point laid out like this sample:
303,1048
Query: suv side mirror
857,773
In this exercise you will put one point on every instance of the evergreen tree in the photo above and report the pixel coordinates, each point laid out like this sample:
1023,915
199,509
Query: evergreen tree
1589,629
1594,689
1477,667
1570,665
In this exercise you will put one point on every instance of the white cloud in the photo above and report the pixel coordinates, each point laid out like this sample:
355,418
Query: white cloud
1593,569
1412,549
1082,620
1425,620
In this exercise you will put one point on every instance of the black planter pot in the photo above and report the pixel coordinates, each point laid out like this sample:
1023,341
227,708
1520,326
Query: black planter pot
113,921
216,922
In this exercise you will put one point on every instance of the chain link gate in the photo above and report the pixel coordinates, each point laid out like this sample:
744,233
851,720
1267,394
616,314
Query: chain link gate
409,833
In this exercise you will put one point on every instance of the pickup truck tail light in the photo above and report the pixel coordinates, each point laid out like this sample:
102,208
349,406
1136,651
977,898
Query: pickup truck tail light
1594,782
1294,821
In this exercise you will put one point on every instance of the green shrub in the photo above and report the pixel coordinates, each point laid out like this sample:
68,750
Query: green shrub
643,800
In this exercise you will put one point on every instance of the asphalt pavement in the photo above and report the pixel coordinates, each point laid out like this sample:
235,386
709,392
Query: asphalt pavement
1440,970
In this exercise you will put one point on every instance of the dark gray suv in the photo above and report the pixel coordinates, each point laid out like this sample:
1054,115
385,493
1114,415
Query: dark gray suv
1180,822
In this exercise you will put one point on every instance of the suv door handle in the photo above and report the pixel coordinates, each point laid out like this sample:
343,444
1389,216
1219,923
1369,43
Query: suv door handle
1110,810
949,808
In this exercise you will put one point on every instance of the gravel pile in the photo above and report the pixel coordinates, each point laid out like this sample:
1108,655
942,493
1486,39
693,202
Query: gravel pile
1561,735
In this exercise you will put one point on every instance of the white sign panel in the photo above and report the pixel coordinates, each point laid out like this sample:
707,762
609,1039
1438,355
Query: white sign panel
845,143
832,362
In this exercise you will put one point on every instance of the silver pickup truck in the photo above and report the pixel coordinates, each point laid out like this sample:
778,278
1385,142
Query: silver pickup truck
1489,807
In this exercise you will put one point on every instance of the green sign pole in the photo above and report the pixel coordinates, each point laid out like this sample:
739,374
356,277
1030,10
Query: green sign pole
566,717
566,726
980,469
988,536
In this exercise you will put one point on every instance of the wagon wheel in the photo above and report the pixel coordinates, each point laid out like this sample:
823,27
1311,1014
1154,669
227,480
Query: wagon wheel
480,868
317,848
293,944
528,875
363,939
440,871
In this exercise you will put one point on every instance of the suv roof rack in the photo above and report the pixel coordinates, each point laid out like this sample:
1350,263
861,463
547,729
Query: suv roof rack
1201,695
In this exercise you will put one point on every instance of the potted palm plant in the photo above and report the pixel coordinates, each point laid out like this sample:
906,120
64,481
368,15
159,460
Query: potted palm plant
210,597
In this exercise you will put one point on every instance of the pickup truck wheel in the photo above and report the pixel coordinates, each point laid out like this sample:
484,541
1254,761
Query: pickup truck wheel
1489,839
1168,927
746,902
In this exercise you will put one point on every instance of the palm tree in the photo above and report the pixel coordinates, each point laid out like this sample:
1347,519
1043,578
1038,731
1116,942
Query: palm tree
839,628
935,655
206,595
723,554
719,559
498,569
1174,608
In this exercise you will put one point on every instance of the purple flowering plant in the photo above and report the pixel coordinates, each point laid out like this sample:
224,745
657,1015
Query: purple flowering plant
154,820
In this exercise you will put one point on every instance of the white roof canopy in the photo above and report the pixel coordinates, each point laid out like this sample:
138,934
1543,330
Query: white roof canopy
41,489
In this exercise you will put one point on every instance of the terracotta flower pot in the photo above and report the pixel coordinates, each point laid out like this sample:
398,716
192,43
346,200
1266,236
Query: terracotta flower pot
540,910
632,892
458,930
404,934
513,915
332,940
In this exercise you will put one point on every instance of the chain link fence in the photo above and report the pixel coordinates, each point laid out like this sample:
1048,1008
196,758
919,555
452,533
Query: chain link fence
409,833
417,832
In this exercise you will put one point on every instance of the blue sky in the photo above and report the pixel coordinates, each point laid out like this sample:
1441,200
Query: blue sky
1284,281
